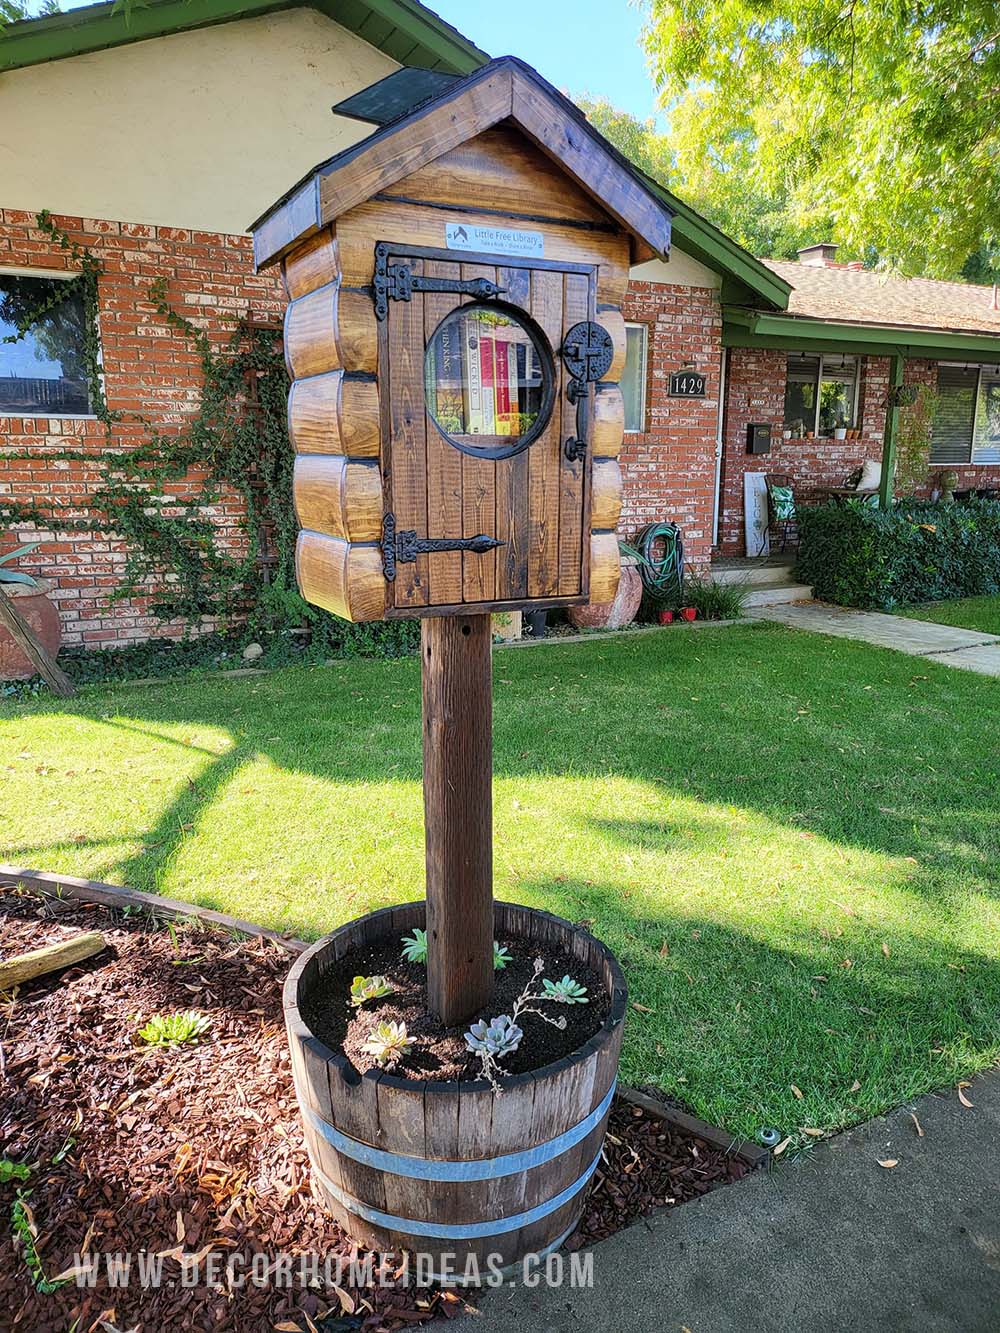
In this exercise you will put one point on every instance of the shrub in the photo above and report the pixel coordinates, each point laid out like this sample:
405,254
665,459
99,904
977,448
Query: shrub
857,555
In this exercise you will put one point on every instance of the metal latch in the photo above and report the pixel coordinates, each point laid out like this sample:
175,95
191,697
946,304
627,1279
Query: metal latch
588,352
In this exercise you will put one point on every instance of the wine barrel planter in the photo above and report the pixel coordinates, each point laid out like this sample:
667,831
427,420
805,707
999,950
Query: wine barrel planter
451,1170
34,607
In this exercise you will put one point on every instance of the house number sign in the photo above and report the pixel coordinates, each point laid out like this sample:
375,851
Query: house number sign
687,384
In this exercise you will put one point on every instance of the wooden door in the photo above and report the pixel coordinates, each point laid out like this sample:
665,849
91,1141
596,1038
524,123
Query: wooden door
476,418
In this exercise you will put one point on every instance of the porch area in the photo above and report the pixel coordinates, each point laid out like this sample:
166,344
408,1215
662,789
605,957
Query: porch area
769,579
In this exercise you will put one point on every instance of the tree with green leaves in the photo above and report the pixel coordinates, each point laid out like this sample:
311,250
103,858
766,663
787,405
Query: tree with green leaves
879,116
718,184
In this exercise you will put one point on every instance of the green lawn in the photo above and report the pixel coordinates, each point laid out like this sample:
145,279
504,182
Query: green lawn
792,842
982,613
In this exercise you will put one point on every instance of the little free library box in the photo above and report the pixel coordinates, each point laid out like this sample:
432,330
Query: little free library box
454,339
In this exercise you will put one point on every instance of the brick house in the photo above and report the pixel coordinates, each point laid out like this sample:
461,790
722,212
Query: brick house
137,138
828,361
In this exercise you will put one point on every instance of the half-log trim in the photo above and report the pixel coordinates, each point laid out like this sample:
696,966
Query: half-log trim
504,90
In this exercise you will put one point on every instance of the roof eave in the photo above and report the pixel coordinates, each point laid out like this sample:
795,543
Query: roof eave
753,328
749,278
414,36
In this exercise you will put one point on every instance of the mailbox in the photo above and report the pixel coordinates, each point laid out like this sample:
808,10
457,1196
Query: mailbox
455,341
758,438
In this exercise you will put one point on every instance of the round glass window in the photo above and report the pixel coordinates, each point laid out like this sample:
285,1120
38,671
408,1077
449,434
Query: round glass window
488,380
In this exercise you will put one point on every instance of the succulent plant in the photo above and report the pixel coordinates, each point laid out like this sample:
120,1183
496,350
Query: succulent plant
500,1037
566,991
415,950
369,988
388,1042
14,575
415,946
501,956
174,1029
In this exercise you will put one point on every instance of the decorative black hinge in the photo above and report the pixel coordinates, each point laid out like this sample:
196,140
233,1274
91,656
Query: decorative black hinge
403,547
396,282
588,352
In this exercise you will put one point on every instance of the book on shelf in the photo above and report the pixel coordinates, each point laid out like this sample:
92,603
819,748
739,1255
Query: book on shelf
481,377
473,380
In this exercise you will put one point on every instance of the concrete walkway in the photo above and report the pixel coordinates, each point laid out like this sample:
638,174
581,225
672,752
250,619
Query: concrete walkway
969,649
829,1243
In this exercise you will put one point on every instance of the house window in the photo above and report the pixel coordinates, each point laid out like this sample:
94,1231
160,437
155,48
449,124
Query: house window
821,393
44,372
633,382
966,424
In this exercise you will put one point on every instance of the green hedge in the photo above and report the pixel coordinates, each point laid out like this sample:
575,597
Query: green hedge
856,555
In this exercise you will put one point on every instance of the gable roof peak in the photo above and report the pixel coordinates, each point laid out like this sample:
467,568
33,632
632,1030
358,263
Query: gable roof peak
504,90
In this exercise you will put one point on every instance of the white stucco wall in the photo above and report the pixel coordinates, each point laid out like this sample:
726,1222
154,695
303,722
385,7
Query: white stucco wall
680,271
200,129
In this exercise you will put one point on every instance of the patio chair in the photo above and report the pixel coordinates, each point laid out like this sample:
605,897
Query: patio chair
781,514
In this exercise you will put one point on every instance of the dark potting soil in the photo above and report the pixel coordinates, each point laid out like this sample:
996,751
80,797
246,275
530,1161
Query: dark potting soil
440,1053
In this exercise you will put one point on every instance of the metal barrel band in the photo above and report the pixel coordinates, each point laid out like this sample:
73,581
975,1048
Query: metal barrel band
490,1168
455,1231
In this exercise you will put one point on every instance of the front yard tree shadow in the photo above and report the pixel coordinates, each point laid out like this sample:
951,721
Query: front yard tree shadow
800,802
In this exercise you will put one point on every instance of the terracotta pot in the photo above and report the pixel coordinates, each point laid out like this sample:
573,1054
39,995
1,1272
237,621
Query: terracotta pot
689,612
665,617
34,607
612,615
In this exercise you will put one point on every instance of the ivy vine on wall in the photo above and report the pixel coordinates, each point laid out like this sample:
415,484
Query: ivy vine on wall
157,495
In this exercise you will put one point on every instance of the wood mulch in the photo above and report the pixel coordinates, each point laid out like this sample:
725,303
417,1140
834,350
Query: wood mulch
198,1149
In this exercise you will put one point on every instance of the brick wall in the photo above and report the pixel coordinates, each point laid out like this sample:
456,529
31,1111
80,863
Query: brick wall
149,369
755,392
669,468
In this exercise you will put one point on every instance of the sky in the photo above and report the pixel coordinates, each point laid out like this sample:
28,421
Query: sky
582,46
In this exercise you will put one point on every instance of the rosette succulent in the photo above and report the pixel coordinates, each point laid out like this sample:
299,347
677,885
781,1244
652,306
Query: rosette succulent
388,1043
566,991
369,988
493,1040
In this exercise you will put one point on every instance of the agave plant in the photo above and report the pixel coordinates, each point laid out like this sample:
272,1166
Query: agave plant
15,575
415,946
501,956
566,991
388,1042
369,988
493,1040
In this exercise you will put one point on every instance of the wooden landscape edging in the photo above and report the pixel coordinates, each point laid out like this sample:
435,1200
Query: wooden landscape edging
756,1157
116,895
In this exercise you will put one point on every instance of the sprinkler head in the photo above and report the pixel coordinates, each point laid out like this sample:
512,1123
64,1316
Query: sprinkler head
769,1136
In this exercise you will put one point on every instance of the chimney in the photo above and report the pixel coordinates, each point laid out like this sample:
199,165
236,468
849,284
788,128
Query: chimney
818,256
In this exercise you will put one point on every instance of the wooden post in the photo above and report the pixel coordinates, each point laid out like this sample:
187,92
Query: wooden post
886,487
457,677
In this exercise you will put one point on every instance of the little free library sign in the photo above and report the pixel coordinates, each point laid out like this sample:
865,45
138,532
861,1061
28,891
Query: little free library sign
687,384
493,240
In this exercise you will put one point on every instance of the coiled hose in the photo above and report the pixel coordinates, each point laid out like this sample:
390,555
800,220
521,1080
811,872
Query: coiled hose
661,567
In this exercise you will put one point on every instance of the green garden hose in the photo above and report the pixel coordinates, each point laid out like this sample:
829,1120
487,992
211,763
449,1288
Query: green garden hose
661,565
